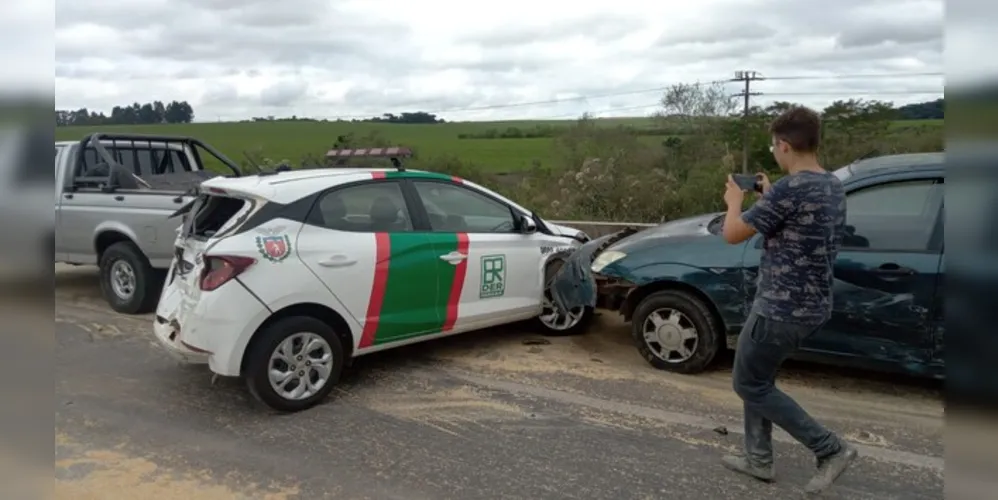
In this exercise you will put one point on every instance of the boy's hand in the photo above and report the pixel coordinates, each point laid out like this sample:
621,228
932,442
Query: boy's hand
764,182
733,195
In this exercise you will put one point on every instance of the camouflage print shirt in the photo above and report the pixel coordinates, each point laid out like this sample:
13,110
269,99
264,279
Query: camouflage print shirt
802,218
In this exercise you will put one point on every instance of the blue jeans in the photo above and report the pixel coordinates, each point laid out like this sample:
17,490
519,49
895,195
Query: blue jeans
763,345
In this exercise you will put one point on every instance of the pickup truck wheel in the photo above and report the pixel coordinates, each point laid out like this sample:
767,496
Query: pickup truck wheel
294,363
130,285
675,331
555,323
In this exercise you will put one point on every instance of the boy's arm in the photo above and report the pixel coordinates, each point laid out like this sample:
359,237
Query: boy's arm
767,215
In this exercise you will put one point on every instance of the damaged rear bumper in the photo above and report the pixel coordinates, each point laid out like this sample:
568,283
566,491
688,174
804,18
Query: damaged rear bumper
168,335
576,285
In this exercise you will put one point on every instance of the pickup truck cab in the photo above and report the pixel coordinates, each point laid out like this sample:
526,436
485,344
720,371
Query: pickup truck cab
115,195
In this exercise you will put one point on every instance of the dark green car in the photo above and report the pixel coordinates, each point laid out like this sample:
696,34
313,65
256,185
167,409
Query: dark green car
687,292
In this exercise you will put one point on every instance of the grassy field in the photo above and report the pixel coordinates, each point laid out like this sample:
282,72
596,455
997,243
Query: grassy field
288,140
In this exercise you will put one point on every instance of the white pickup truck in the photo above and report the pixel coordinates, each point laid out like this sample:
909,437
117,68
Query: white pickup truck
115,197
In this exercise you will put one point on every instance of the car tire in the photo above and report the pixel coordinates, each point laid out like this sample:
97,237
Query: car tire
678,311
258,362
129,284
547,328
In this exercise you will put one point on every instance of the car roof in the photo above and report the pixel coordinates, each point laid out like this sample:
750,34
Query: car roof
287,186
899,163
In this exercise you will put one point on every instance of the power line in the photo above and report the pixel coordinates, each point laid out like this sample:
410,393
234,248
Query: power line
664,88
544,102
658,104
758,77
851,77
607,110
860,92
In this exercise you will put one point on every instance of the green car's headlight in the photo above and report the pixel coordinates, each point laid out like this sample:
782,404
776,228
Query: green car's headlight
605,259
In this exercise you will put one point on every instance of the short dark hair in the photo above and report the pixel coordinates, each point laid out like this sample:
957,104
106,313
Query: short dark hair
799,127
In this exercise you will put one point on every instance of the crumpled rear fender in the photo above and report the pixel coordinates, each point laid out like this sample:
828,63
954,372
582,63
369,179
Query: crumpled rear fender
573,285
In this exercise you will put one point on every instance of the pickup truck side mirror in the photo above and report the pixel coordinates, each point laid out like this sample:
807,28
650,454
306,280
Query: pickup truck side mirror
527,225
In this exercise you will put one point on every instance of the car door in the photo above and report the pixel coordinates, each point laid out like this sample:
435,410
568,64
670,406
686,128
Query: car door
359,241
495,268
886,273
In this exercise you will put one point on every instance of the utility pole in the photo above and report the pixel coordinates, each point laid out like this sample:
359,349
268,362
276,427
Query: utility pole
747,77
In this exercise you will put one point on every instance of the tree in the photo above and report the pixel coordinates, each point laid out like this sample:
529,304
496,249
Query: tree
406,117
931,110
179,112
699,116
696,107
134,114
856,124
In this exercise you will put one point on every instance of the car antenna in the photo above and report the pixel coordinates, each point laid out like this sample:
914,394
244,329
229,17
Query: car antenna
252,162
869,154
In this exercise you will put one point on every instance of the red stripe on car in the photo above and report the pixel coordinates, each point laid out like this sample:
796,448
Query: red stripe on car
458,284
383,258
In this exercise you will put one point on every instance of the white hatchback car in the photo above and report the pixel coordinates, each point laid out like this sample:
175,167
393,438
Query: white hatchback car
281,278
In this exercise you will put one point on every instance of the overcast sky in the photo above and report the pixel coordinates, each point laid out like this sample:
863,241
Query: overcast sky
233,59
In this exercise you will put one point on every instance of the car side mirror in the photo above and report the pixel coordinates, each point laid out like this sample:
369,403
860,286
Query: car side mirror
527,225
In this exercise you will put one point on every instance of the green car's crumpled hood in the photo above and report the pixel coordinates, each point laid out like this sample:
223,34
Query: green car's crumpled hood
574,286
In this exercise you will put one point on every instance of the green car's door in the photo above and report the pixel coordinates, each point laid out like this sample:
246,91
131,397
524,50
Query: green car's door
886,274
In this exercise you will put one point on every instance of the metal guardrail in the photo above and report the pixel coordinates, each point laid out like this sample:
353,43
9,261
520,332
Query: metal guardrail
595,229
620,225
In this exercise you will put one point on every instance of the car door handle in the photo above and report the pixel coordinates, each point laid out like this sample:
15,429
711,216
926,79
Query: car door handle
337,261
119,198
454,257
895,270
68,196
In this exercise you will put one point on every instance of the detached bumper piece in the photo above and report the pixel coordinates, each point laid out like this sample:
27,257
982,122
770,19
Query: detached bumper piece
611,292
575,285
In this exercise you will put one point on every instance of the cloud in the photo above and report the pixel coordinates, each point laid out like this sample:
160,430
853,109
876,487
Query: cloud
235,59
284,93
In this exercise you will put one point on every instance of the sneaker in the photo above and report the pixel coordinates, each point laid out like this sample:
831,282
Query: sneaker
740,463
830,468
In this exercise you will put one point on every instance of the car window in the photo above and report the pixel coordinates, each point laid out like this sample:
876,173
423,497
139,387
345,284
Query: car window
376,207
126,159
175,161
143,162
452,208
899,216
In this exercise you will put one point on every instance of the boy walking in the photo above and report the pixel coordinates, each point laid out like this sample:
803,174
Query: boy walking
801,218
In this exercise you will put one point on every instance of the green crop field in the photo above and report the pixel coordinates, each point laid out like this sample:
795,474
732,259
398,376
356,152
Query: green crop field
292,140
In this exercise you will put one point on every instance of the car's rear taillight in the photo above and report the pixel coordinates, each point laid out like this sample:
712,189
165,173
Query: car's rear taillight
219,269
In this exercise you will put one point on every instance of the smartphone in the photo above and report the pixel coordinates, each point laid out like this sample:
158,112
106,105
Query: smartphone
747,182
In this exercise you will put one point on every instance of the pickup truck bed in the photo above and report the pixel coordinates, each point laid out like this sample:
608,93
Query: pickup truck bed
115,194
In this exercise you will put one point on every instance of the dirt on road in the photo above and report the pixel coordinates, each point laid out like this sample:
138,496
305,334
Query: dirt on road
508,380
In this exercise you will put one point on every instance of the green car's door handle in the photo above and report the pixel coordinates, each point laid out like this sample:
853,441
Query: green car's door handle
895,270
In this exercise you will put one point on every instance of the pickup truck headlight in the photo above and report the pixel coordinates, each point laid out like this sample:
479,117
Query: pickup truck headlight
605,259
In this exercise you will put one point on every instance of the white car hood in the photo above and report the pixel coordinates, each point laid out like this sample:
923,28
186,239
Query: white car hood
564,230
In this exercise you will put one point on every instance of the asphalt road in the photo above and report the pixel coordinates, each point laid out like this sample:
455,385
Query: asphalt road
485,415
